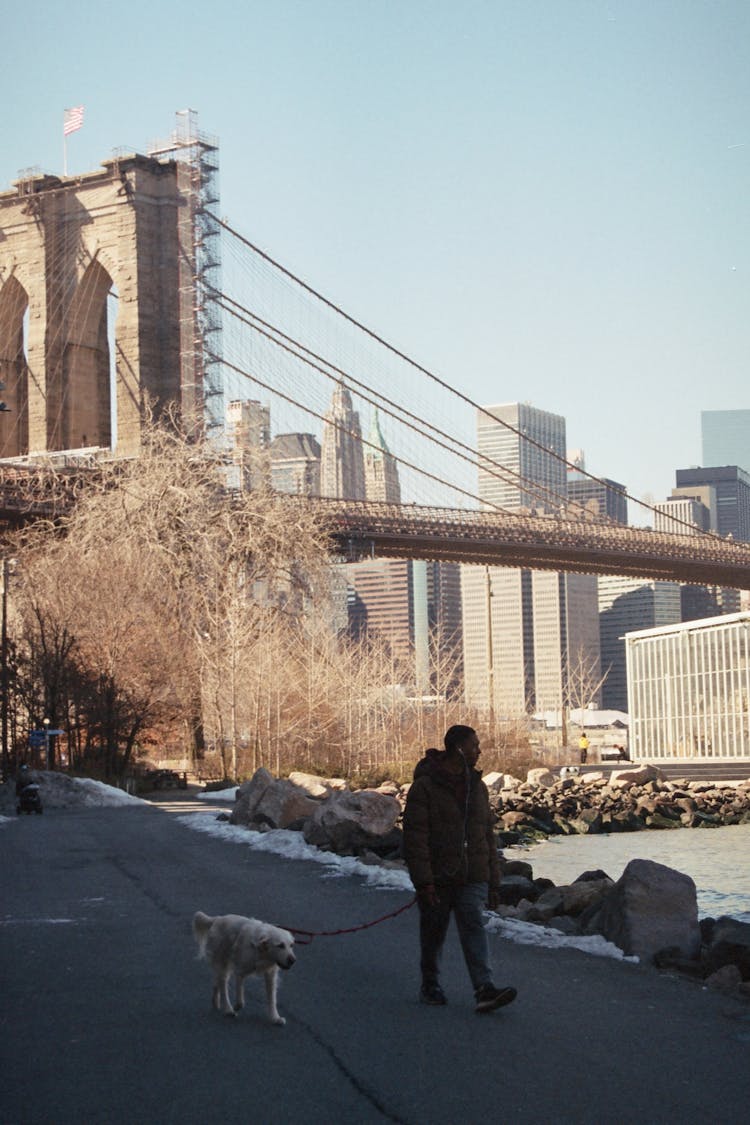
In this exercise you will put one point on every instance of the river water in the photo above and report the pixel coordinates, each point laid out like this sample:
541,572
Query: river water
717,859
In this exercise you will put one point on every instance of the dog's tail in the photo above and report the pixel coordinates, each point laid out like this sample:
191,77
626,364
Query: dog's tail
201,925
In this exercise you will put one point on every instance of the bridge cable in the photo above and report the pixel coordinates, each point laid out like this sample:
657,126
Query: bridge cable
475,459
343,429
441,382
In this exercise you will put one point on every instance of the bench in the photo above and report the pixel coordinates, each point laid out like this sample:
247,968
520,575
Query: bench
165,779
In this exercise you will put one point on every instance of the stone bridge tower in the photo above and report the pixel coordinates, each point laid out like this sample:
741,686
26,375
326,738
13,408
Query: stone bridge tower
98,308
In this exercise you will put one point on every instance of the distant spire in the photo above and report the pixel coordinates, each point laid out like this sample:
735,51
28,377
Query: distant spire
375,437
381,468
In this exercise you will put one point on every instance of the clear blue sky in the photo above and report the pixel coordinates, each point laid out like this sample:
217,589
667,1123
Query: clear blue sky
541,200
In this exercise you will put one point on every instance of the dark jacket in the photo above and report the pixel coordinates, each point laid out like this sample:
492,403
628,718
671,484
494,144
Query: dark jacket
448,840
24,778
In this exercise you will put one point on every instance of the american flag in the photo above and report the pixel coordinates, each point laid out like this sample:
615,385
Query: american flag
72,119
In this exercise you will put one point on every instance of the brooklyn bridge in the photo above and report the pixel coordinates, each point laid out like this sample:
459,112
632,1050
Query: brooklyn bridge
123,290
360,529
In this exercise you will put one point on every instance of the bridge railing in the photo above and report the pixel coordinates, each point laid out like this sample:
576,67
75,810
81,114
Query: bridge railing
543,539
551,542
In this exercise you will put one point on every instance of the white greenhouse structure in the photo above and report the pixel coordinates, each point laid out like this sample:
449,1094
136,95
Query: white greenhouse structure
689,690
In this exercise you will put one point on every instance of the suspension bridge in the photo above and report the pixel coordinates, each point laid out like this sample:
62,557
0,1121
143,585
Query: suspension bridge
252,329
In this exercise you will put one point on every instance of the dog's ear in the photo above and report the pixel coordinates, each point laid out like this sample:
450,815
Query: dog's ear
263,944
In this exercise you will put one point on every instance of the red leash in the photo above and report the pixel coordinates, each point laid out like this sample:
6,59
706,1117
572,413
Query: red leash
310,934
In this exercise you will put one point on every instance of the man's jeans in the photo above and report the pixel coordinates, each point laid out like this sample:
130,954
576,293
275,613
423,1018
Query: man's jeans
467,903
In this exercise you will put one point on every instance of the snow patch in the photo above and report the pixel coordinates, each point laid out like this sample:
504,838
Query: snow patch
97,793
528,933
291,845
60,791
37,921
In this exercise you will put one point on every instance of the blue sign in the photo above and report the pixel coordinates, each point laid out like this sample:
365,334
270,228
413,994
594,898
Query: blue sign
37,739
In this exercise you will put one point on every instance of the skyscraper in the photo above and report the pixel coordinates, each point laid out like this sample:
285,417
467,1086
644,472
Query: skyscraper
525,448
681,514
726,437
688,511
627,605
624,603
523,629
249,433
381,601
295,464
604,498
728,499
342,469
248,424
381,468
415,606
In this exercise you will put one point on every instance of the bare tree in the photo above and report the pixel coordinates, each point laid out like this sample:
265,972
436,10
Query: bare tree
583,680
164,577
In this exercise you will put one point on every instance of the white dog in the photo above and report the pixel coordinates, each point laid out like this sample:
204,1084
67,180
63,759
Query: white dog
239,946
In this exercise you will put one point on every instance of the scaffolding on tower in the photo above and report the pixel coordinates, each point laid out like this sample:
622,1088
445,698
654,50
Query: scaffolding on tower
196,155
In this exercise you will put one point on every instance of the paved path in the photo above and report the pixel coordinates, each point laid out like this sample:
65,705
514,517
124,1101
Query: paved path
183,801
105,1015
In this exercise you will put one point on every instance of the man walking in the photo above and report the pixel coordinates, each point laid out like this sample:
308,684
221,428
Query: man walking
450,850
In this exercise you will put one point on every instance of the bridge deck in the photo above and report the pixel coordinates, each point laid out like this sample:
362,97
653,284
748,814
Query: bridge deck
360,529
536,542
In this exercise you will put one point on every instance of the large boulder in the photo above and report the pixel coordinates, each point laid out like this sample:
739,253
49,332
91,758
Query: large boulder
571,899
725,979
580,895
636,775
348,822
541,776
274,804
729,944
251,791
513,888
497,782
547,905
313,785
588,822
649,908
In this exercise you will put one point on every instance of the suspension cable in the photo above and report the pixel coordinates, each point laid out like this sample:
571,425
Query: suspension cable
441,382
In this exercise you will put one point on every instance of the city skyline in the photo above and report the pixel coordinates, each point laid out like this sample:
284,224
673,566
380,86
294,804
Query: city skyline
602,495
541,203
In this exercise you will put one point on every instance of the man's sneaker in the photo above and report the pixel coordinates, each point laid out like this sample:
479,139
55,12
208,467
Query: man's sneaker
432,994
488,997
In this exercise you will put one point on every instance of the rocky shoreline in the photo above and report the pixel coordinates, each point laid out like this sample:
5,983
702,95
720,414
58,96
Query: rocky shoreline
650,912
627,800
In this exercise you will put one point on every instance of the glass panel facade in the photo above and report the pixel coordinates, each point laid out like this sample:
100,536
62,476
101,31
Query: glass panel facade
689,690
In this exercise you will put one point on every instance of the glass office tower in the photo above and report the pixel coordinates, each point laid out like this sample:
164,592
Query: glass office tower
726,437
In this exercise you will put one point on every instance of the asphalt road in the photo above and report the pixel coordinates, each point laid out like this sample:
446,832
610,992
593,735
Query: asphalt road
105,1012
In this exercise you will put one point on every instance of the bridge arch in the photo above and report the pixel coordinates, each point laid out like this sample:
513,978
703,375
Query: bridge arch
82,414
14,372
80,241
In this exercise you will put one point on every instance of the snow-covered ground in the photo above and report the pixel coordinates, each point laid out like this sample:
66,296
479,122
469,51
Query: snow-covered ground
221,795
292,845
60,791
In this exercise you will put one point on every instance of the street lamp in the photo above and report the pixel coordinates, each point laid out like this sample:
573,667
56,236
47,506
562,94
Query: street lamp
46,743
7,568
